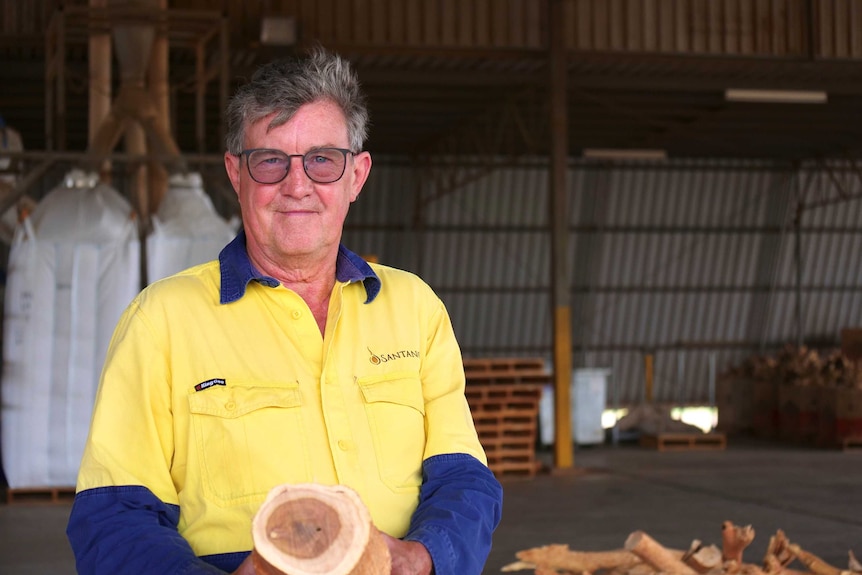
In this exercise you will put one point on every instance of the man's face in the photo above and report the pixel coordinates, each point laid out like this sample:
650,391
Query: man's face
296,218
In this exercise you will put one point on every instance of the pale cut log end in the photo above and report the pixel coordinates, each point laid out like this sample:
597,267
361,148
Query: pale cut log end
311,529
633,540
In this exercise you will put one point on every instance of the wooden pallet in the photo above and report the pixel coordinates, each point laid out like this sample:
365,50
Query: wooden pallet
520,463
852,443
505,471
505,423
508,437
507,371
684,441
503,397
504,364
40,495
538,378
509,443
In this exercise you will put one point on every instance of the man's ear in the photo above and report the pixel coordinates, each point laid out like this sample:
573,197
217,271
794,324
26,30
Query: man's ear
232,167
360,171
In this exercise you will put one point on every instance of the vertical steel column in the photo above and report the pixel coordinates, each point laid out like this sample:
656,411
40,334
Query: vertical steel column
100,78
558,219
159,87
50,70
713,362
200,97
224,72
778,199
60,102
649,377
797,258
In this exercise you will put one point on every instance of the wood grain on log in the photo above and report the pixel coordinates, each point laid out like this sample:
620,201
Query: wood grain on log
310,529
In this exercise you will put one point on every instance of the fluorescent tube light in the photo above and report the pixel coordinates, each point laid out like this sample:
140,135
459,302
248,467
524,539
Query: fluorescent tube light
624,154
277,31
776,96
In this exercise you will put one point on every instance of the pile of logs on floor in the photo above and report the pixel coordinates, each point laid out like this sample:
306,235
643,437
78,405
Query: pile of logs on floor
643,555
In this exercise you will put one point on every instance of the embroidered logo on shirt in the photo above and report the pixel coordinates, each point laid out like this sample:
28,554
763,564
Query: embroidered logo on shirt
376,359
209,383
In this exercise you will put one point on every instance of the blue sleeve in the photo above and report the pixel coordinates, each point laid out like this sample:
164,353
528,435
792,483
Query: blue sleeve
127,529
460,504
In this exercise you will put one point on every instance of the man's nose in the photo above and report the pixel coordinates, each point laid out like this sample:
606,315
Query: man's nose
296,182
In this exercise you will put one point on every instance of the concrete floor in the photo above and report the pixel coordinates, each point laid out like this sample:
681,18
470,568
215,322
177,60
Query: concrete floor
815,496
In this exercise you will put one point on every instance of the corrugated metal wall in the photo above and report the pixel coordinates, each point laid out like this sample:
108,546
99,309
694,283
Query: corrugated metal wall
821,28
788,28
693,262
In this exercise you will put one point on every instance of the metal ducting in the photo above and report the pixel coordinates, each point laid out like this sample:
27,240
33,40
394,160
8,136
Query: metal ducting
133,40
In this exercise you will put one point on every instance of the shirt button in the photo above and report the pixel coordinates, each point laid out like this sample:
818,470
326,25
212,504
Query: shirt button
230,405
296,314
345,444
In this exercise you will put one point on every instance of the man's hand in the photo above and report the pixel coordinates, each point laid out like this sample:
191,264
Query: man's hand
408,557
245,568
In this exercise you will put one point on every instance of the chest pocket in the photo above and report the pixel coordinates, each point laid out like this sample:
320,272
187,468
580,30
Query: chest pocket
247,440
396,414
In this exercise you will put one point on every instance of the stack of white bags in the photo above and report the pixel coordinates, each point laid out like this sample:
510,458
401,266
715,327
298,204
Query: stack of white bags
74,266
187,230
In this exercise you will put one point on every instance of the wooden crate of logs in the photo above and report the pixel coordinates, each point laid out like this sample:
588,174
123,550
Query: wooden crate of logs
643,555
798,395
503,395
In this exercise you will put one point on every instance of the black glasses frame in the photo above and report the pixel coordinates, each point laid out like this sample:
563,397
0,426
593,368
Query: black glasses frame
344,152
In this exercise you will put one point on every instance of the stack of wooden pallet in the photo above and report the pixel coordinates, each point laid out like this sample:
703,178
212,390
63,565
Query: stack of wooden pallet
684,441
503,394
31,495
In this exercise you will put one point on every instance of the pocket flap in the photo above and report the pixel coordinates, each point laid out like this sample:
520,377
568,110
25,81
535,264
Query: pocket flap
230,402
401,389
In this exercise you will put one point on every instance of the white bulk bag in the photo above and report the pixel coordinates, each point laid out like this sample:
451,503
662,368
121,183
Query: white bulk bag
187,230
74,266
10,141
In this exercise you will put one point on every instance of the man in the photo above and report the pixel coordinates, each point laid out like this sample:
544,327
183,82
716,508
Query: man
288,360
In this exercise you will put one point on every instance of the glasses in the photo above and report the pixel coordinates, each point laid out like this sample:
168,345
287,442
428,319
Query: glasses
322,165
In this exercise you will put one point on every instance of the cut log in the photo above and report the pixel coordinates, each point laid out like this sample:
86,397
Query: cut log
310,529
561,557
702,558
734,540
652,552
814,563
517,566
777,553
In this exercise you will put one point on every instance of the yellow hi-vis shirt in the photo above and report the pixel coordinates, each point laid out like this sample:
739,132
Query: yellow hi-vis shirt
210,405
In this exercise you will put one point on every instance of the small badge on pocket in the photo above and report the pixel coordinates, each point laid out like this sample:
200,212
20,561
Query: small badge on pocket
209,383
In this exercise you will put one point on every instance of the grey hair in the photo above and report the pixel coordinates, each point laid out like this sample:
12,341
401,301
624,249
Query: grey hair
283,86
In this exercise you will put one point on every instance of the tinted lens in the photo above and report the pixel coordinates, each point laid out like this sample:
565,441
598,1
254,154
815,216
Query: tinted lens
324,165
268,166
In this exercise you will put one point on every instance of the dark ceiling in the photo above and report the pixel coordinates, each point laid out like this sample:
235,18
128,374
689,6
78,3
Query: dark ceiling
467,102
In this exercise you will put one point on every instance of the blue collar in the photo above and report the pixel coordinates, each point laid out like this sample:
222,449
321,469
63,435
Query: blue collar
237,271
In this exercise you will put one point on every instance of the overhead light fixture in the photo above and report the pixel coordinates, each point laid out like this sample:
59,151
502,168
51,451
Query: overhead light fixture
624,154
776,96
277,31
